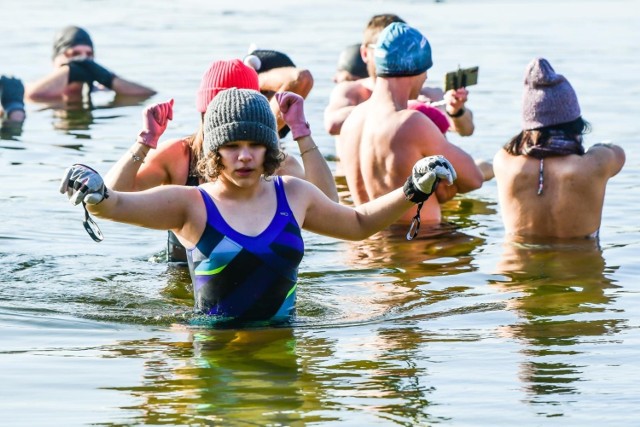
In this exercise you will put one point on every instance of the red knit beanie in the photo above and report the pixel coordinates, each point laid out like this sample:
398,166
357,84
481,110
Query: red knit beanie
436,116
223,75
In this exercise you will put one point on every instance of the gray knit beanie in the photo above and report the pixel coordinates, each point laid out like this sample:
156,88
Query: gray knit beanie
548,98
239,114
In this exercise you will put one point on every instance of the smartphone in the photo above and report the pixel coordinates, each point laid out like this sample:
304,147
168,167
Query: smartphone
462,77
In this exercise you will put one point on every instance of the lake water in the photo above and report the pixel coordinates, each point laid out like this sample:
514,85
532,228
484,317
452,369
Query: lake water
455,329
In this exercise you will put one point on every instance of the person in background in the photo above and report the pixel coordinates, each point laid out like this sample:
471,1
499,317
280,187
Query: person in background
148,164
346,95
74,67
243,226
381,139
278,73
548,185
12,99
350,66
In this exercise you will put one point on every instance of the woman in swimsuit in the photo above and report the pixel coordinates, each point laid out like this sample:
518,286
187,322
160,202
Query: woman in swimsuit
242,228
147,164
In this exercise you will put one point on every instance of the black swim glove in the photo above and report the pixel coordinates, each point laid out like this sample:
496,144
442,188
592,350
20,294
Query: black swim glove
426,173
83,184
99,73
78,73
12,94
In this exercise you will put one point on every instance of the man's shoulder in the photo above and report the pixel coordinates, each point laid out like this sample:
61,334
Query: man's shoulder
356,89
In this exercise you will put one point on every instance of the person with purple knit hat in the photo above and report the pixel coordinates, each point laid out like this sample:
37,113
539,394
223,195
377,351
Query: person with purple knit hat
549,186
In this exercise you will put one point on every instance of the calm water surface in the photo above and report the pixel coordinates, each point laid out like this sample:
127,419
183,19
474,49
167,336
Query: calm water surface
456,328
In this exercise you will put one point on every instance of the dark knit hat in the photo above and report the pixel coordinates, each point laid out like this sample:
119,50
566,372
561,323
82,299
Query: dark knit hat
270,59
401,51
239,114
69,37
223,75
351,61
548,98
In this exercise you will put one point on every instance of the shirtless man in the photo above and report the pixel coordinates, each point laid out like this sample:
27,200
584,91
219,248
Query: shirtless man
73,67
548,185
346,95
381,139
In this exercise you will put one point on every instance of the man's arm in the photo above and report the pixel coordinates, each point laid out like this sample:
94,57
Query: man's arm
50,87
284,79
424,133
344,97
128,88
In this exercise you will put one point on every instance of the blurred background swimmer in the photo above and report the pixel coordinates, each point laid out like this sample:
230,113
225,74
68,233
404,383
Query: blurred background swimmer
74,67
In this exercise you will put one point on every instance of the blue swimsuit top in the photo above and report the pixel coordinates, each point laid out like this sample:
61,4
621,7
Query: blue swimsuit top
243,277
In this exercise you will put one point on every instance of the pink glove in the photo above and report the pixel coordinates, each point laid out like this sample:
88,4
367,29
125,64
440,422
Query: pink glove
292,109
154,122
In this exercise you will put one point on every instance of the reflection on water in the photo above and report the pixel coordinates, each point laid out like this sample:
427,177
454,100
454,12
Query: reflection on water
224,377
562,294
79,115
275,377
10,130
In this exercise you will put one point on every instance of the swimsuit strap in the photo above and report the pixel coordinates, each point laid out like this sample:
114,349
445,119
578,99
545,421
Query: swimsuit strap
541,178
193,180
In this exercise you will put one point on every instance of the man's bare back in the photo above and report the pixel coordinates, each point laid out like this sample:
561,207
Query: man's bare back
381,140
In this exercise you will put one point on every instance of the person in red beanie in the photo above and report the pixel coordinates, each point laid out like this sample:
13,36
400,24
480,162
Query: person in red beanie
74,67
549,186
147,164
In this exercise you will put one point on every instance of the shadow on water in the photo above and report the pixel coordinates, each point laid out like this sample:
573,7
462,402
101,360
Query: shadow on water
561,295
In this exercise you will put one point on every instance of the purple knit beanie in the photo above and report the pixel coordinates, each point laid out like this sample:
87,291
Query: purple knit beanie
548,98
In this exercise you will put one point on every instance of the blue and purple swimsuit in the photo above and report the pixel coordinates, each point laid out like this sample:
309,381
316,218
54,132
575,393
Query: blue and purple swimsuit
242,277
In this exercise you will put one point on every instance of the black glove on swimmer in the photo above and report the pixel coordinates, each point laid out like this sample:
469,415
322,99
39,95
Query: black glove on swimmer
99,73
78,73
